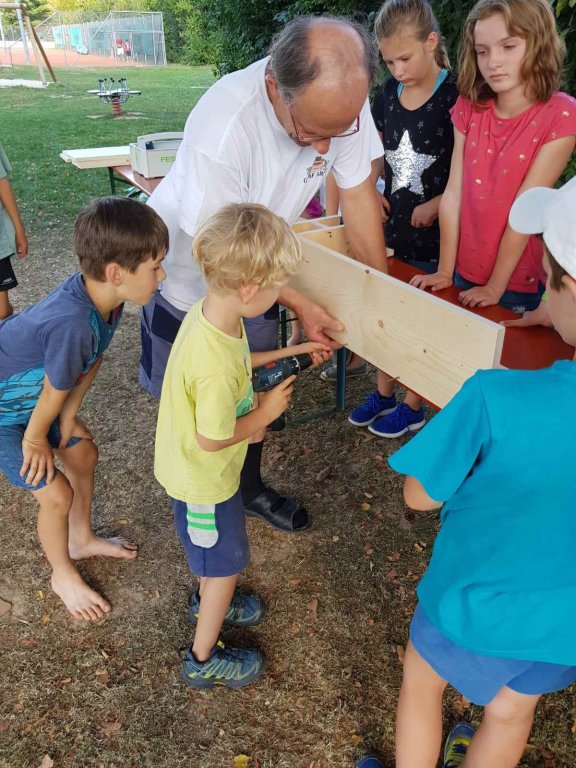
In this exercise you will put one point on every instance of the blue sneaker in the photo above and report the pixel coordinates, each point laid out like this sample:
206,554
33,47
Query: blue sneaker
402,419
374,406
244,610
369,762
457,745
229,667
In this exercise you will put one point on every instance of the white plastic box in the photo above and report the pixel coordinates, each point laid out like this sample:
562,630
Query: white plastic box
154,154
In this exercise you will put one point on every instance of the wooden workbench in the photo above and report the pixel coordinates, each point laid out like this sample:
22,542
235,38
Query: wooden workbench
523,348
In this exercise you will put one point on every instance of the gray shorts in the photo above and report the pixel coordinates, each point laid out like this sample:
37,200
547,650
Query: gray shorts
159,325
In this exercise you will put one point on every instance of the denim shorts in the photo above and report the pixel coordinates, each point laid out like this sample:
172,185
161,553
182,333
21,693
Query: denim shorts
230,553
479,678
159,325
11,457
517,301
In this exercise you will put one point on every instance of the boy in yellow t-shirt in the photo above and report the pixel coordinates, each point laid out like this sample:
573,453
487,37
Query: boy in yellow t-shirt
206,418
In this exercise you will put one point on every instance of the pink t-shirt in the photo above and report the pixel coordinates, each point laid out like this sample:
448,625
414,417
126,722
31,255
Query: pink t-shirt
498,154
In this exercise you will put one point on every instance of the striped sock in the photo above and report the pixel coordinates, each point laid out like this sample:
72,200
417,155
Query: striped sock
202,524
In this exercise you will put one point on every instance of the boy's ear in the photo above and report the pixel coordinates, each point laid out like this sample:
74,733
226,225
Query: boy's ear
247,293
569,284
114,274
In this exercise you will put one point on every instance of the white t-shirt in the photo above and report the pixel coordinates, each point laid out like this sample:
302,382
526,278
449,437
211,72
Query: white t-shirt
235,150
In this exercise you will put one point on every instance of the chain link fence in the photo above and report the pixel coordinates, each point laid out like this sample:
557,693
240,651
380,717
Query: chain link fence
118,38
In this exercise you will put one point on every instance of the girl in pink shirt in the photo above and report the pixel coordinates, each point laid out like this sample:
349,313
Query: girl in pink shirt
512,130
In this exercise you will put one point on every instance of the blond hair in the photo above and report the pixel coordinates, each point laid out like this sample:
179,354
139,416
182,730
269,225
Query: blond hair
395,15
245,244
531,20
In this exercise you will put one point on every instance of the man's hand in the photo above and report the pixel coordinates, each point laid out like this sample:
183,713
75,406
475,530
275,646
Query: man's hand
425,215
316,321
72,427
480,296
538,316
436,281
38,460
276,400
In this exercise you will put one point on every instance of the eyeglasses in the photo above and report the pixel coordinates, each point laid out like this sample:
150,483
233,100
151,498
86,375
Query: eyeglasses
307,139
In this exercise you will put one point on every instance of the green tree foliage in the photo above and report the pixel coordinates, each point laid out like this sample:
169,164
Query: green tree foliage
38,10
232,33
100,6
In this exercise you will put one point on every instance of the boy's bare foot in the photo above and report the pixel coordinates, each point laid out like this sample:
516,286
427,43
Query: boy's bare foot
117,546
82,601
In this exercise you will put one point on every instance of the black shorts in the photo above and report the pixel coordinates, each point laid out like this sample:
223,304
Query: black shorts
7,276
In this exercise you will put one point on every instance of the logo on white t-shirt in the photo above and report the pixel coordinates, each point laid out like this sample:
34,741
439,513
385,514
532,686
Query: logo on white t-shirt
318,168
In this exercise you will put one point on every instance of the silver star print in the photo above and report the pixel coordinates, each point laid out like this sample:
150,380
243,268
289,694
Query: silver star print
408,166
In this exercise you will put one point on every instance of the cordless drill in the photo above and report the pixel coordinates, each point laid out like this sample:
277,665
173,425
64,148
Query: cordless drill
267,376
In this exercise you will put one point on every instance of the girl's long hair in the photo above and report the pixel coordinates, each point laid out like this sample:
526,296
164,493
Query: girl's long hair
533,21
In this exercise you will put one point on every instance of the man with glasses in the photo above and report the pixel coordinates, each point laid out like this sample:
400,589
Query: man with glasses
269,134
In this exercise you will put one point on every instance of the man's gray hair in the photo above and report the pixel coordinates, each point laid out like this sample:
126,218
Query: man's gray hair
290,61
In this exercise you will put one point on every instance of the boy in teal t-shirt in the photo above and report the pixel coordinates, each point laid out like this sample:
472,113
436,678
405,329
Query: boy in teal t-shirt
496,614
13,240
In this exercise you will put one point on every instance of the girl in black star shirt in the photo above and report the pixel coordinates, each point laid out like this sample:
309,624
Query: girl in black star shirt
412,113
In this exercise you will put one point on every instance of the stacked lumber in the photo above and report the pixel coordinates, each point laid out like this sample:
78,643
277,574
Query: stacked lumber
97,157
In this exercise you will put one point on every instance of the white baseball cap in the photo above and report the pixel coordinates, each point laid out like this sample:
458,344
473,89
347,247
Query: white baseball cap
551,213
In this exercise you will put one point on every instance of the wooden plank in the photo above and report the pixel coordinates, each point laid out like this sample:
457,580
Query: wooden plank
327,221
306,225
322,223
429,345
97,157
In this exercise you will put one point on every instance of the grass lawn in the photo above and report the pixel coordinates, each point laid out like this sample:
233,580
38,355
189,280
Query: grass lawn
38,124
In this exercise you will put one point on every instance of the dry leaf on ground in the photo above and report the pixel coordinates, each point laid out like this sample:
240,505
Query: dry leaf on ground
111,728
313,608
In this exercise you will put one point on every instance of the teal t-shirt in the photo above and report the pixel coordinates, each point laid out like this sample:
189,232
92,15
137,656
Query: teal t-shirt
7,234
502,456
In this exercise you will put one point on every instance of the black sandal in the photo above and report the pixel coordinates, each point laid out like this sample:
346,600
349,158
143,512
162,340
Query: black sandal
283,514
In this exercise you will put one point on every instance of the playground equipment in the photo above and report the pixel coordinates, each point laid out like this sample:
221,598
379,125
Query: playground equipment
27,33
114,92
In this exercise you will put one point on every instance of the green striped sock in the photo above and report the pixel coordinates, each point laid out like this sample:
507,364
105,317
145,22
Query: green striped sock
202,524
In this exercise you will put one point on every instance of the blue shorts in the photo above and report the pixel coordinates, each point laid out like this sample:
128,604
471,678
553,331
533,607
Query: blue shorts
11,457
159,325
230,553
479,678
515,300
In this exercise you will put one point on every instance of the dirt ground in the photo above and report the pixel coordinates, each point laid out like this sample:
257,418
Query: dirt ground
62,58
340,598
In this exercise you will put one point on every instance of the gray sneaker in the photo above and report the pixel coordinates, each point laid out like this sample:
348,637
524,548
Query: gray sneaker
229,667
244,611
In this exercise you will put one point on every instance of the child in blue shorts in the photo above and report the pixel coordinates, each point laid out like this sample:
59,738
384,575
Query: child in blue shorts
207,415
496,614
49,356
